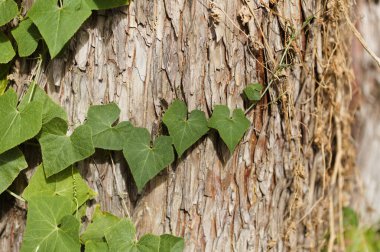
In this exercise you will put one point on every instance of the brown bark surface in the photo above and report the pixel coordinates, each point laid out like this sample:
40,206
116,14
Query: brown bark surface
276,191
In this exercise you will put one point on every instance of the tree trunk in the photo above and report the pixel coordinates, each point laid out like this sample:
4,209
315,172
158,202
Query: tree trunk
282,186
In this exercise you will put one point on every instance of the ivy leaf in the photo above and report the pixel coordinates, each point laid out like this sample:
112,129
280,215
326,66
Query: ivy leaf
50,226
11,163
26,35
184,131
59,151
170,243
17,126
253,91
105,4
6,49
8,10
100,118
50,109
57,24
96,246
230,128
146,161
62,184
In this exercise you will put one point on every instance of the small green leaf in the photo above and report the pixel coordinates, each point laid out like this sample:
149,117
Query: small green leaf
146,161
253,91
100,118
121,236
57,24
26,35
62,184
184,131
96,246
11,163
60,151
6,49
230,128
50,226
50,110
147,243
8,10
17,126
105,4
170,243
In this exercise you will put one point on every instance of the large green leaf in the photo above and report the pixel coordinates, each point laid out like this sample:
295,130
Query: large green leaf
170,243
26,35
57,24
100,118
11,163
50,226
59,151
121,236
105,4
230,128
8,10
184,131
6,49
146,160
50,109
68,184
17,126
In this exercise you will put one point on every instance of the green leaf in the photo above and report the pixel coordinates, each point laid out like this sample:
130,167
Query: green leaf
96,246
185,131
57,24
95,231
6,49
170,243
17,126
121,236
230,128
253,91
26,35
50,226
147,243
144,160
63,184
50,110
11,163
4,69
8,10
60,151
350,218
100,118
105,4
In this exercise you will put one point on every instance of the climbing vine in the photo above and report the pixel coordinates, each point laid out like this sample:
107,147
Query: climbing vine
56,193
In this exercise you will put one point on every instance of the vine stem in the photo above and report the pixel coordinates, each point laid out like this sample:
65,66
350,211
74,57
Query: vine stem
16,196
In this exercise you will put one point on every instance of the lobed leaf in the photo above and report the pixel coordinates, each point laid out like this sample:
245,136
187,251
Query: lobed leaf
26,35
12,162
8,11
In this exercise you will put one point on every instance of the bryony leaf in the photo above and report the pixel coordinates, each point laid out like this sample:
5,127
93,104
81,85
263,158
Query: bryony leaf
96,246
17,126
59,151
253,91
231,128
50,109
170,243
50,226
57,24
6,49
105,4
63,184
26,35
185,131
8,10
11,163
100,119
146,160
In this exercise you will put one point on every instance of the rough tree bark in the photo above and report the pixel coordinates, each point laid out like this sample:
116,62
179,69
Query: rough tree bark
278,190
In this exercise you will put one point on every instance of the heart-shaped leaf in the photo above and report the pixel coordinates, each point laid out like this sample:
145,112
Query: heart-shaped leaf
59,151
8,10
6,49
62,184
253,91
100,118
50,226
184,131
17,126
105,4
146,161
26,35
230,128
11,163
57,24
